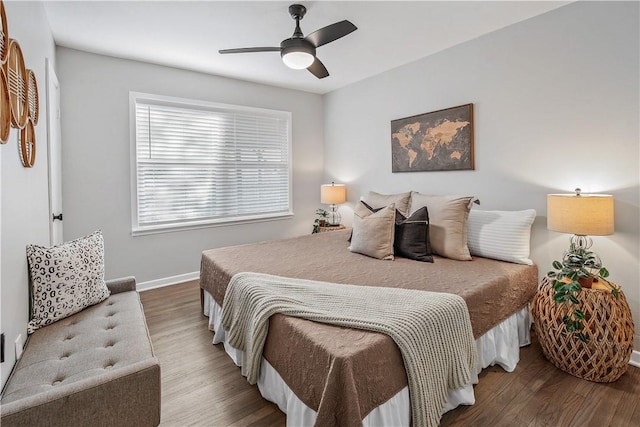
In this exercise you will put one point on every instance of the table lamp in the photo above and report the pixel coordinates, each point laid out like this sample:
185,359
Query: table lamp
333,194
582,215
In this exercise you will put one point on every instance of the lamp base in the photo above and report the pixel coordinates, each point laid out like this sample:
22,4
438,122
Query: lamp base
579,256
334,217
581,242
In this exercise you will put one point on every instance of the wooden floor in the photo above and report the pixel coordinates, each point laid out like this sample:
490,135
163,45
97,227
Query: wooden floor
202,387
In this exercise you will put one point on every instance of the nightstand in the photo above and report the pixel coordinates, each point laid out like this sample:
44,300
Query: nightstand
607,324
331,228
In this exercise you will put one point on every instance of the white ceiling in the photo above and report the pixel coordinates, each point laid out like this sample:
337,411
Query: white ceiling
188,34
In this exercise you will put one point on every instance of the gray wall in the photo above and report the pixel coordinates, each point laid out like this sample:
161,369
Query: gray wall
556,107
96,156
24,198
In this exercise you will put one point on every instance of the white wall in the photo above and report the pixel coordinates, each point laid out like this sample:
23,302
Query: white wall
24,191
96,147
556,107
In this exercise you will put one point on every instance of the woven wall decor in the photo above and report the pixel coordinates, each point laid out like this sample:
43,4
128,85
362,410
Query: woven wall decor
4,35
5,109
28,145
32,91
608,326
5,106
19,100
17,77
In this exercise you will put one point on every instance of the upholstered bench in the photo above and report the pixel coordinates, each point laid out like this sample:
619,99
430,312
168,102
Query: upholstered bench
95,367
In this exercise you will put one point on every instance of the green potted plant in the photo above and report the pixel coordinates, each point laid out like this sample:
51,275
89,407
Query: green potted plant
321,220
580,268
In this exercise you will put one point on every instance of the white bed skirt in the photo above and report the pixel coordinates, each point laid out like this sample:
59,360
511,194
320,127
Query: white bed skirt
500,345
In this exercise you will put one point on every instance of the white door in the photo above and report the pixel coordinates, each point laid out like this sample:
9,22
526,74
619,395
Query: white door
55,156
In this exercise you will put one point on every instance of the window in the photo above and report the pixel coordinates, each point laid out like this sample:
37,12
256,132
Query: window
197,163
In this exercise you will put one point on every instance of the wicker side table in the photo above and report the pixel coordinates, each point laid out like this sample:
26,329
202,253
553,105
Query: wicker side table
326,228
608,326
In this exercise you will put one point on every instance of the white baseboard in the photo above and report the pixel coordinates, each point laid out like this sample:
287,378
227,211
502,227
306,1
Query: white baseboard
167,281
635,359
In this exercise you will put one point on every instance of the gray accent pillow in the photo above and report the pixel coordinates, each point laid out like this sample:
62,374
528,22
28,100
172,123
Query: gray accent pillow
447,223
377,200
65,279
373,232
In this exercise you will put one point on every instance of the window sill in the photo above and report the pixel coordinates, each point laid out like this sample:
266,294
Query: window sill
171,228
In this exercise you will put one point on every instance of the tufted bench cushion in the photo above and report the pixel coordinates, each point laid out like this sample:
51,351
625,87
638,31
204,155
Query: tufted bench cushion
96,367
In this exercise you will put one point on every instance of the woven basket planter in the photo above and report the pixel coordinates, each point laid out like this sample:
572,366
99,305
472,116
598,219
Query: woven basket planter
608,326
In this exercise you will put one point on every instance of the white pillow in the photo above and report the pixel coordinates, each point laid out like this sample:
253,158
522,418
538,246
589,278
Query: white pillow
65,279
501,235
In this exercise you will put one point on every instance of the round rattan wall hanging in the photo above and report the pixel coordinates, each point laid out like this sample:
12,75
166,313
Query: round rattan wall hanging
4,35
17,78
32,90
5,109
28,145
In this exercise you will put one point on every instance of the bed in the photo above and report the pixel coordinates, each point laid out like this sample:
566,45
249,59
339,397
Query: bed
330,375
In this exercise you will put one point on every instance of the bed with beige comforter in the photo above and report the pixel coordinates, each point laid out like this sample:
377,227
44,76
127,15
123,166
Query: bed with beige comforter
344,373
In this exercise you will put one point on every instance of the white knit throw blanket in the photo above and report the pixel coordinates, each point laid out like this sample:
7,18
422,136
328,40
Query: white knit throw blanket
431,329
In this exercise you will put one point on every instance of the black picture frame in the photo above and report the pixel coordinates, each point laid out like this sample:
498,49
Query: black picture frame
440,140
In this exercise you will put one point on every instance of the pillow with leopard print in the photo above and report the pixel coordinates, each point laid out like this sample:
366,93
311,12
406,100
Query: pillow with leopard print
65,279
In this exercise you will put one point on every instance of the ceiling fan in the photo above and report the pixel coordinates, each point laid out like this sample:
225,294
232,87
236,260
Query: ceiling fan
299,52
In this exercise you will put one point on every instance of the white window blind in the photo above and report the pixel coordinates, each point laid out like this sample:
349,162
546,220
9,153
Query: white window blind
199,163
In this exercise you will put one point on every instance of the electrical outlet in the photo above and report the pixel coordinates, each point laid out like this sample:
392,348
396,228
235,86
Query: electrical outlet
1,348
18,343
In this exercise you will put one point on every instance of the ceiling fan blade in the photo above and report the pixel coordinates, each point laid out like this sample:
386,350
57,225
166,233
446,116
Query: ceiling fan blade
250,50
318,69
331,32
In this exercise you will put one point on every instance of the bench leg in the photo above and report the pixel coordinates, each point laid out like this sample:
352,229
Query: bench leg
202,302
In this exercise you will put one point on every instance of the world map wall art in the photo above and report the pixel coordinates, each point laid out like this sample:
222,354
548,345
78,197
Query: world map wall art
438,141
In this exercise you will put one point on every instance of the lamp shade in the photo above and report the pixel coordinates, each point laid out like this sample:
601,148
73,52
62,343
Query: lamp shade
333,194
580,214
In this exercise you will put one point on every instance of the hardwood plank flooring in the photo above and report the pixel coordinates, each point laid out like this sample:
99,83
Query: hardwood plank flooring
202,387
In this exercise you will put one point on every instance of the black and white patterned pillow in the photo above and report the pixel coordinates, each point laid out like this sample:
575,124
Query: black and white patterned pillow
65,279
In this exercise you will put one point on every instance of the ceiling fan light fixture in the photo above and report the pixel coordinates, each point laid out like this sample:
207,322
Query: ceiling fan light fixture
297,53
298,60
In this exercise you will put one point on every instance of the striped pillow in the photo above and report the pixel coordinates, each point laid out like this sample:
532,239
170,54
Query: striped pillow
501,235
